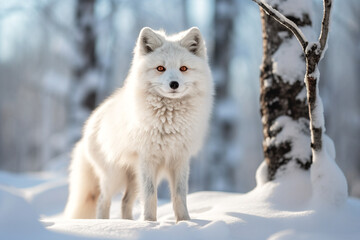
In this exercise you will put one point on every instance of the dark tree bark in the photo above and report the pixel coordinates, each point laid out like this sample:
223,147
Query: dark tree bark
85,20
86,70
279,95
313,54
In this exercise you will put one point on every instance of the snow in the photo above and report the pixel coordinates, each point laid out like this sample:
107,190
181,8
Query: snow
287,59
297,9
267,82
261,175
328,181
301,95
19,220
291,131
280,209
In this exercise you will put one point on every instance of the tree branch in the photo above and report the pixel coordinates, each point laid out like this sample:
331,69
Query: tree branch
284,21
325,24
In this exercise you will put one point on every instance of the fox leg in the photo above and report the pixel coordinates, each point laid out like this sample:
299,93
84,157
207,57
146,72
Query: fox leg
129,195
104,201
179,187
149,190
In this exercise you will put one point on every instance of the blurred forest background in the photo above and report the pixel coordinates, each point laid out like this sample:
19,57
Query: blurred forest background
59,59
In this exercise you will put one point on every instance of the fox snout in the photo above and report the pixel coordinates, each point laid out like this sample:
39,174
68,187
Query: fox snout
174,85
173,82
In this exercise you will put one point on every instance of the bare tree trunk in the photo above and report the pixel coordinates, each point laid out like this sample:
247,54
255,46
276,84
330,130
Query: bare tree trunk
224,29
313,54
221,173
86,70
283,94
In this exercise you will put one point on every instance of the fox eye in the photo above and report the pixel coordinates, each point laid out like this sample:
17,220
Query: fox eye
183,68
161,68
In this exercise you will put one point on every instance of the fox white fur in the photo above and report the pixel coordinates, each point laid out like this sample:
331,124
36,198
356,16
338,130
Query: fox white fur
144,129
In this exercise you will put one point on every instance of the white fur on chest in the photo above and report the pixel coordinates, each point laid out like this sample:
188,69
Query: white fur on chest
168,125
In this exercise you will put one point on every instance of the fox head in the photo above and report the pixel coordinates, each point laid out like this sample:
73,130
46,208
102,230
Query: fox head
171,66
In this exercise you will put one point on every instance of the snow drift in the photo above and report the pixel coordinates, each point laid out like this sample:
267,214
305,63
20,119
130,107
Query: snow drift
279,209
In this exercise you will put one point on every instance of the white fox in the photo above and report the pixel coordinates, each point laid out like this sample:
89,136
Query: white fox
152,125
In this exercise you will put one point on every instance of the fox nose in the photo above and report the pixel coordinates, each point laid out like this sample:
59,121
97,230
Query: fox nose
174,85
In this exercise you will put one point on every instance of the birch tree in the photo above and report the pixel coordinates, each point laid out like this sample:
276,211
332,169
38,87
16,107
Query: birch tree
282,97
328,182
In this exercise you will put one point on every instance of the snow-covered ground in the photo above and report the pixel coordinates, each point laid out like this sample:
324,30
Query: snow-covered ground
275,210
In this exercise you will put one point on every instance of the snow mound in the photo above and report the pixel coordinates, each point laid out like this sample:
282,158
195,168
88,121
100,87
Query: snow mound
19,220
279,209
218,215
328,181
17,217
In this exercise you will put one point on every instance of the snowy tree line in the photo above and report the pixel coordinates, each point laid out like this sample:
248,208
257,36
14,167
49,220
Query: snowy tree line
49,82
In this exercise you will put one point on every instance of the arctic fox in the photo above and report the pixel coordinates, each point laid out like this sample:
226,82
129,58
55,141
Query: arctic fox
148,128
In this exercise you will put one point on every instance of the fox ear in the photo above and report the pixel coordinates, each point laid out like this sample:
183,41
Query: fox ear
194,42
148,41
